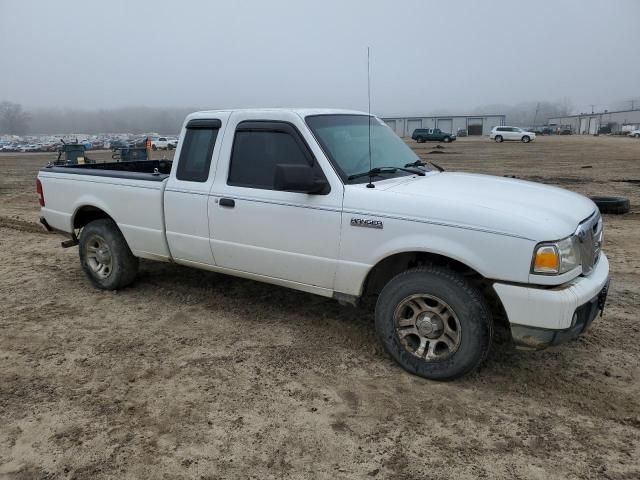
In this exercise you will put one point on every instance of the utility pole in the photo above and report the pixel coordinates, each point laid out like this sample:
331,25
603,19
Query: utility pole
535,117
592,105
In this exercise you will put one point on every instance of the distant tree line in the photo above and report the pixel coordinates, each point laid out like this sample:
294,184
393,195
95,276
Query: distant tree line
117,120
529,113
15,121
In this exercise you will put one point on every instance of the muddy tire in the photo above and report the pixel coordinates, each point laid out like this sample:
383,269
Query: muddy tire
498,138
614,205
446,139
434,323
105,256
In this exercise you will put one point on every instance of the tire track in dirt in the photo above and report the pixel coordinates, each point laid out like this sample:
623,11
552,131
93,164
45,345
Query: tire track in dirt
21,225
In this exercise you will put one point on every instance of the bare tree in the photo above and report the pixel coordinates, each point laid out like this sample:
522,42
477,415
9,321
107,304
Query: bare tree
13,120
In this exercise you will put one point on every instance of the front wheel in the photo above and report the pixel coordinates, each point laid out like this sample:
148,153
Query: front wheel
526,139
434,323
637,135
498,138
446,139
105,256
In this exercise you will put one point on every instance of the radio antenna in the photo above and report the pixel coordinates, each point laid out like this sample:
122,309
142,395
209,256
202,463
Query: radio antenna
370,184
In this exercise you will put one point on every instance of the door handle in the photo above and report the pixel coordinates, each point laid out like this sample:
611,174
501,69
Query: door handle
227,202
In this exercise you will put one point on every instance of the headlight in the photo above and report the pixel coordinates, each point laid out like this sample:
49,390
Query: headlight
557,257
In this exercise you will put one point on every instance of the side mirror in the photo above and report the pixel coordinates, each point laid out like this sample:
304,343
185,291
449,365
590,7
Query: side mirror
298,178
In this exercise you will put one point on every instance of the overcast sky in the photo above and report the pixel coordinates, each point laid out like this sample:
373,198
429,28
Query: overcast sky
425,56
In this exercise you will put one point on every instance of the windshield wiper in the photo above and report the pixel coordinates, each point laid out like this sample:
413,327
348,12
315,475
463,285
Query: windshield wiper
377,171
420,163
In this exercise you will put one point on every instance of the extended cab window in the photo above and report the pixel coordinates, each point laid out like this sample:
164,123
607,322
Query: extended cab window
197,150
259,146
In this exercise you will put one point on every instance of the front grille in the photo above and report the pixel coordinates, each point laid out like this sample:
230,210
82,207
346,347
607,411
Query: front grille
589,236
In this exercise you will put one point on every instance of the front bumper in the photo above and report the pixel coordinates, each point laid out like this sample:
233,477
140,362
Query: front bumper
540,317
537,338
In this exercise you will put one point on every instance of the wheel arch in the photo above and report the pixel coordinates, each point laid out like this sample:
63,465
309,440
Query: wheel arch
86,213
394,264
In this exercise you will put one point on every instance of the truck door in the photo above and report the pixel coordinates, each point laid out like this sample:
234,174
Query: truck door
186,193
278,234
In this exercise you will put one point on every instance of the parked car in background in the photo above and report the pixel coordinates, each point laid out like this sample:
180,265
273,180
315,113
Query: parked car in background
500,134
542,130
634,133
462,132
160,143
421,135
117,143
173,144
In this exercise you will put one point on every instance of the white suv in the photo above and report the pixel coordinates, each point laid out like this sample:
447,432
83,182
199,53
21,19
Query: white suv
500,134
160,143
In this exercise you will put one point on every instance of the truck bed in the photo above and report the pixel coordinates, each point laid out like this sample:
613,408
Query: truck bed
151,170
131,193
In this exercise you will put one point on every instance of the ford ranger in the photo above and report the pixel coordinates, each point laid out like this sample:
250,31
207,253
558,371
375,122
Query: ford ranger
332,202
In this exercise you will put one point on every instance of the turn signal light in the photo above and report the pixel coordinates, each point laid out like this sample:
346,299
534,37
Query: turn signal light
547,260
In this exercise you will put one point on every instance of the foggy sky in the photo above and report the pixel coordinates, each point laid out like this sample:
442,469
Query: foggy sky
425,56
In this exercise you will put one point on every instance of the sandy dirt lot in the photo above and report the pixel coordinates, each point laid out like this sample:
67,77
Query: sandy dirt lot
190,374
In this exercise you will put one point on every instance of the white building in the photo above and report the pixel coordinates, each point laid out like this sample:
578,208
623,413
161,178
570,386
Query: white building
474,124
590,123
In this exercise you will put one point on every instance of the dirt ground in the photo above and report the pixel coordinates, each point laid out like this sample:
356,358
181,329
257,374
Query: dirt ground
191,374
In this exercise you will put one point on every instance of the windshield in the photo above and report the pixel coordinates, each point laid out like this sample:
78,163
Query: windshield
345,140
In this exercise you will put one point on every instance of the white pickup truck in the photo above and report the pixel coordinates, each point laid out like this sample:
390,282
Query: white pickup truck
332,202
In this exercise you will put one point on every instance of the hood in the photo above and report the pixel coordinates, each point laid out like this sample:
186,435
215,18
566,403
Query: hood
515,207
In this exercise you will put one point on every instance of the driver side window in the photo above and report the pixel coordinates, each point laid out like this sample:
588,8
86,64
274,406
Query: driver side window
258,147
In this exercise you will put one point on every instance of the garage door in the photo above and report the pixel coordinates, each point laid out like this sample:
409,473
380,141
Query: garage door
583,126
391,124
445,125
412,125
593,125
474,126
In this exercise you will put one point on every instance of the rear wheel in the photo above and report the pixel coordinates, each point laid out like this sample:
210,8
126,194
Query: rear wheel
434,323
637,135
153,147
105,256
526,139
498,138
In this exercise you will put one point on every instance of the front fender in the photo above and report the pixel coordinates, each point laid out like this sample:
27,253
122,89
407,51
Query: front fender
493,255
